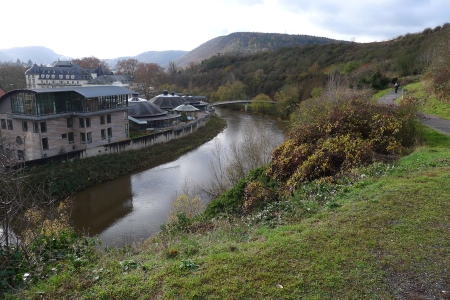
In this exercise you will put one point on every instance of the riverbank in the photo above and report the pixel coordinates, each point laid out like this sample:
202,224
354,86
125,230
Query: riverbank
65,179
386,232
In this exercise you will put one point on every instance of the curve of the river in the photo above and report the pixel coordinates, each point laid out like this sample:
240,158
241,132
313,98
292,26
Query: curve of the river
133,207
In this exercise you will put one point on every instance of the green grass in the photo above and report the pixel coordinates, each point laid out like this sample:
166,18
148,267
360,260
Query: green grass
429,104
387,238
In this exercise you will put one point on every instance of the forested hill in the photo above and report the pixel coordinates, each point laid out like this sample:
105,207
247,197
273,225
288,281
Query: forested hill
247,43
307,67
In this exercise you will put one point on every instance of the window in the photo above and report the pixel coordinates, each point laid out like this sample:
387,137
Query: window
71,139
125,115
110,132
10,127
83,138
20,155
35,127
102,119
88,122
43,127
69,122
3,124
103,134
126,130
81,123
108,118
24,125
45,143
64,136
89,137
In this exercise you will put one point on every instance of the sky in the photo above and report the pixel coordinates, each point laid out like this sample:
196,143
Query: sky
111,29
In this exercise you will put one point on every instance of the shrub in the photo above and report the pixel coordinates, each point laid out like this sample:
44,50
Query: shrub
349,135
232,201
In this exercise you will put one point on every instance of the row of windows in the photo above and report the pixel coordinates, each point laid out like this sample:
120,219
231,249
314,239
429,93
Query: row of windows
84,137
60,76
87,137
86,122
53,81
83,122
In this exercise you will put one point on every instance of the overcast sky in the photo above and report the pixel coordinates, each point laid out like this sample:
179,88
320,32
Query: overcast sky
111,29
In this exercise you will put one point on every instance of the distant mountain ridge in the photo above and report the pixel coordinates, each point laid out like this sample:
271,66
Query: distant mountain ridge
248,43
46,56
234,43
161,58
37,54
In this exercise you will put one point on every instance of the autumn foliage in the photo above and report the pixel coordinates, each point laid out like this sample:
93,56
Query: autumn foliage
352,134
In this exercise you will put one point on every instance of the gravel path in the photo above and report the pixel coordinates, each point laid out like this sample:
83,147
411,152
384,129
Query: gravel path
432,121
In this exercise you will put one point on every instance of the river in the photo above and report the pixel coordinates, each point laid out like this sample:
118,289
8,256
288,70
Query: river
132,208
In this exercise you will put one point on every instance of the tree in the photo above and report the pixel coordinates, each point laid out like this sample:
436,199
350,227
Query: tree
237,90
12,77
287,99
260,103
91,62
172,71
127,66
147,78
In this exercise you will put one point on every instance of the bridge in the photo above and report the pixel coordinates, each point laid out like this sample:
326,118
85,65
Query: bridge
246,102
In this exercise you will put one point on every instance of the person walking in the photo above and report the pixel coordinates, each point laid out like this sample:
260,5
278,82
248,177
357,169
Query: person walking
396,86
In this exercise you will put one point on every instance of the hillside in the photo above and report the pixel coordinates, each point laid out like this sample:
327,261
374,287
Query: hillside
308,67
161,58
37,54
247,43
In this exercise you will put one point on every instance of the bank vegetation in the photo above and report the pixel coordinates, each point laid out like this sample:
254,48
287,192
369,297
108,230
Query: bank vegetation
351,205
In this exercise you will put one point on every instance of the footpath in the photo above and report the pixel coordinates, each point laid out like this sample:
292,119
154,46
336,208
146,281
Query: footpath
432,121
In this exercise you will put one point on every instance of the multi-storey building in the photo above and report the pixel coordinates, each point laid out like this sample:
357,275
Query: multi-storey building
46,122
67,74
60,74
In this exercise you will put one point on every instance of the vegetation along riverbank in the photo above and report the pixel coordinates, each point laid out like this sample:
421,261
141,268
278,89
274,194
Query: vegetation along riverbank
353,204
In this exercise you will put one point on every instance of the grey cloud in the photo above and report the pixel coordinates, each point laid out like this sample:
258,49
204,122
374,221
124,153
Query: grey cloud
371,18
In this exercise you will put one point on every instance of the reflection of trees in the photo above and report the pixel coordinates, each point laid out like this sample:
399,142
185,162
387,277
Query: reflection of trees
102,205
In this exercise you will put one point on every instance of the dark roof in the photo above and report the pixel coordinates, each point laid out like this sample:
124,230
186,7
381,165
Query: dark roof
61,70
167,101
145,109
89,91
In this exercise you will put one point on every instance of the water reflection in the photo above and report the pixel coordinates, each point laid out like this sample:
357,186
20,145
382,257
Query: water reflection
99,207
132,208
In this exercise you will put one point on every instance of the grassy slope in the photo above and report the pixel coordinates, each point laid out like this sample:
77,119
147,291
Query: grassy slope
387,239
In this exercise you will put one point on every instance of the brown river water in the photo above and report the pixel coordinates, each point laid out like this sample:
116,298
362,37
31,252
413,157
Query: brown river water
132,208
